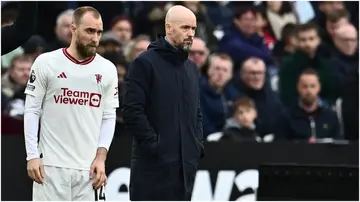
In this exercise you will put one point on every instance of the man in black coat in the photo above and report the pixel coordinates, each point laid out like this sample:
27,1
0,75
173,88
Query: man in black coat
161,109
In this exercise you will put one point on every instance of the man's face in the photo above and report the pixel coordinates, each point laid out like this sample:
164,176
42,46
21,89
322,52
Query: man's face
198,53
309,41
247,23
308,88
332,26
123,30
245,116
63,30
253,74
20,72
220,72
87,35
183,33
140,47
346,41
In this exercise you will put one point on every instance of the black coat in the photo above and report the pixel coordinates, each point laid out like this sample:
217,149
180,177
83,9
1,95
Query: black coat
161,109
15,35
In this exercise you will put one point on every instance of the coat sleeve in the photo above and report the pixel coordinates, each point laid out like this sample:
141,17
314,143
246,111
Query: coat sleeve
17,34
137,90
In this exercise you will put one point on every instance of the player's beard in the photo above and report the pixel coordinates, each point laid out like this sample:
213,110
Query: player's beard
85,50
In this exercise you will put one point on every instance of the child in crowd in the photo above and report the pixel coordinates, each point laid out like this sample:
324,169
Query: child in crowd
241,127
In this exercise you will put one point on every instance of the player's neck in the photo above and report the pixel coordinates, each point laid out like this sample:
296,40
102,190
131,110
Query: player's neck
73,52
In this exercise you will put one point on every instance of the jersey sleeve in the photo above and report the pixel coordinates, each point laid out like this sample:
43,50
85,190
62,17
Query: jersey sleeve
37,83
111,91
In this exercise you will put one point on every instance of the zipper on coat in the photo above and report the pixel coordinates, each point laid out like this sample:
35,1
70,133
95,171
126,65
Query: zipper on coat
313,127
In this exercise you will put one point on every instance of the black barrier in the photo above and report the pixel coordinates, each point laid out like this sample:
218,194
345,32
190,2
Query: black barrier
229,171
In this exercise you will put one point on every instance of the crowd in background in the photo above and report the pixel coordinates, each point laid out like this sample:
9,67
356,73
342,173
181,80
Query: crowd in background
271,70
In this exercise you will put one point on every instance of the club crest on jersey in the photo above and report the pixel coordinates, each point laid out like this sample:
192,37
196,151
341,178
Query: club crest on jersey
98,78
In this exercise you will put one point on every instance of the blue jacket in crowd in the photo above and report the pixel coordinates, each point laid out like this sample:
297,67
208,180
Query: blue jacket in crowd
215,107
240,47
296,124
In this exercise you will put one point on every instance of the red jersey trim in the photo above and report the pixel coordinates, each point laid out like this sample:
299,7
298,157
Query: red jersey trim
72,59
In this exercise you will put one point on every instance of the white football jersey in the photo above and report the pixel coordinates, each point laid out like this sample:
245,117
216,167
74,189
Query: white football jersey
75,95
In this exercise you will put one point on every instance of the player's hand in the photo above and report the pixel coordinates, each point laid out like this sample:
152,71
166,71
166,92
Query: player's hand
35,170
97,173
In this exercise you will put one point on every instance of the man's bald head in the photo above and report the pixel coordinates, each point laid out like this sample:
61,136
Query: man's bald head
347,30
346,39
180,25
178,14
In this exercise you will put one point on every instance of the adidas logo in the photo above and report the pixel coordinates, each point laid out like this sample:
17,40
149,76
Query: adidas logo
62,75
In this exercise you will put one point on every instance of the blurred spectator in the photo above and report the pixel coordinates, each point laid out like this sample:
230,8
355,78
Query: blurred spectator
241,40
136,47
17,76
252,82
35,46
263,28
346,50
310,54
309,119
152,17
279,13
219,12
217,94
241,127
62,31
334,20
205,29
287,44
324,8
121,65
109,42
199,54
122,27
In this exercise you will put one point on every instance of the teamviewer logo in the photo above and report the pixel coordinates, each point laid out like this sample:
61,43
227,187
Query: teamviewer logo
95,99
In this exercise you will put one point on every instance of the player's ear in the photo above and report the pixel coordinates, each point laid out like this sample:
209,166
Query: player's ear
73,27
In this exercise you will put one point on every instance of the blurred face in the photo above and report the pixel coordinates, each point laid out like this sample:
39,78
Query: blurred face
140,47
274,6
309,41
20,72
220,72
63,30
332,26
261,23
198,53
121,71
246,23
253,73
329,6
123,30
183,32
245,115
346,41
87,35
308,89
